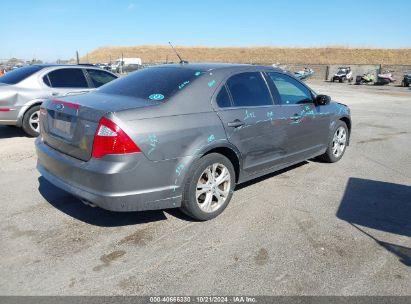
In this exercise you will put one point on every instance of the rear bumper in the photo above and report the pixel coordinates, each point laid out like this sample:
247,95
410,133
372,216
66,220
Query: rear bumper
114,186
9,117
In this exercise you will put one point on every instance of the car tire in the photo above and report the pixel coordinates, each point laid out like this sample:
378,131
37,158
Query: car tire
202,187
336,146
31,123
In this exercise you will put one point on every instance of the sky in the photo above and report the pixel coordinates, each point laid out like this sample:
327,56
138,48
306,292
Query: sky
55,29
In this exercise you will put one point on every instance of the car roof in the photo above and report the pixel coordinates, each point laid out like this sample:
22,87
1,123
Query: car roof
51,65
202,67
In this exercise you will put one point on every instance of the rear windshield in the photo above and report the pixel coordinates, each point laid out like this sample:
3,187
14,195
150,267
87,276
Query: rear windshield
152,83
19,74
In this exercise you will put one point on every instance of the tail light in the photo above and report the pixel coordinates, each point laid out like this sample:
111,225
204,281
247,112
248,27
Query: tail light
110,139
65,104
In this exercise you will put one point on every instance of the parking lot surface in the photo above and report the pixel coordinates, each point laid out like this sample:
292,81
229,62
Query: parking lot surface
314,229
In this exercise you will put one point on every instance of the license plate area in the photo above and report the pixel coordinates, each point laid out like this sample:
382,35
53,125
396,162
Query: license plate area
62,124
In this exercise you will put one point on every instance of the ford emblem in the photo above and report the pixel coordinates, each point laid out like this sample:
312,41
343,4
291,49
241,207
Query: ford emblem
59,107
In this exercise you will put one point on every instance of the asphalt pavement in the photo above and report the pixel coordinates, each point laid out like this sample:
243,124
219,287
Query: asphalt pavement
313,229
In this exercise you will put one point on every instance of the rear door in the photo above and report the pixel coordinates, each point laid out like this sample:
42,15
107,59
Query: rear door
308,124
245,106
67,81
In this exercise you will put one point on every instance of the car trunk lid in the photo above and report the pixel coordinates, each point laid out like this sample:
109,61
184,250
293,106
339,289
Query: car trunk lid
69,124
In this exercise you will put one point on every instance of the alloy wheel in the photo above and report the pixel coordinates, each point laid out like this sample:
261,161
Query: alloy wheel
213,187
339,142
34,121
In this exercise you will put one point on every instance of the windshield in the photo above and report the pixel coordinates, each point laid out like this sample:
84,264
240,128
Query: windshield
152,83
19,74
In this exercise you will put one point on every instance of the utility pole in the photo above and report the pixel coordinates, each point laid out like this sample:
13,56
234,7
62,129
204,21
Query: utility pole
122,62
78,60
327,72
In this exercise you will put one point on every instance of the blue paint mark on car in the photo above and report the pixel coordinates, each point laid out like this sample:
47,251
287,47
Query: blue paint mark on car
211,138
211,83
156,97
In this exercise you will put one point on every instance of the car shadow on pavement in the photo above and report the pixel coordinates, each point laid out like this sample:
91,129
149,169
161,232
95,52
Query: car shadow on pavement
11,131
73,207
381,206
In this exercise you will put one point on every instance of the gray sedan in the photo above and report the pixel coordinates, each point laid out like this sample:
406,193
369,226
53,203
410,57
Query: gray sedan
23,90
185,135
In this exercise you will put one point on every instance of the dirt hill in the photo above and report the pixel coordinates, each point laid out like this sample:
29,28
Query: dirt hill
262,55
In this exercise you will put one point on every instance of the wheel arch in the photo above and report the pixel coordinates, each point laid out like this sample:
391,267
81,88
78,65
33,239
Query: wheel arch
231,154
347,121
25,108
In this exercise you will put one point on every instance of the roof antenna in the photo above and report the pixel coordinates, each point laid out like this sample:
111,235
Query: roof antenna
181,60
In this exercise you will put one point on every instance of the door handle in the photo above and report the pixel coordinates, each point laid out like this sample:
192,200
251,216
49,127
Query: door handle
295,117
76,93
236,123
54,94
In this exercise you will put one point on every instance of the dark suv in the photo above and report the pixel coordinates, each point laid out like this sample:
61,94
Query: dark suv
406,80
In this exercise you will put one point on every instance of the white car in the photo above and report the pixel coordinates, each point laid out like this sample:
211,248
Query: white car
23,90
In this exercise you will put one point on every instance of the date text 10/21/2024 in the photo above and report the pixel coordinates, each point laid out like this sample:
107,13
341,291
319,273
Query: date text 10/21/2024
203,299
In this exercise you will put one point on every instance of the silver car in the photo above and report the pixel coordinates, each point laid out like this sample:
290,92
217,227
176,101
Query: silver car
23,90
184,135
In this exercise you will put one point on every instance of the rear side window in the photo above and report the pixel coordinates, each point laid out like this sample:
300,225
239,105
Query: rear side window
152,83
291,91
223,99
249,90
66,78
19,74
100,78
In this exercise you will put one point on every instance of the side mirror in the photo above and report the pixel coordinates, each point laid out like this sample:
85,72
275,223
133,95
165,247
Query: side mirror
322,100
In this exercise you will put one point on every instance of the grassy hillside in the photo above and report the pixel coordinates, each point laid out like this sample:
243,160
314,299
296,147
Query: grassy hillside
263,55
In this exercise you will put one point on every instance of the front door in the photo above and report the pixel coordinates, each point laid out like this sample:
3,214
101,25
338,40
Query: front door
308,124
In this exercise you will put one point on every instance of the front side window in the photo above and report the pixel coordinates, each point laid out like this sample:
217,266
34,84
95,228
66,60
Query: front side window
291,91
66,78
100,78
249,90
